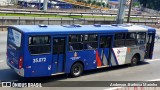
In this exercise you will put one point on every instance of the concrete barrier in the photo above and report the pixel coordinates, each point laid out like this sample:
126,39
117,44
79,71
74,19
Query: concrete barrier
3,27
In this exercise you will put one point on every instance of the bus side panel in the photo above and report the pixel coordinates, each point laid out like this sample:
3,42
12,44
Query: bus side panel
102,57
36,65
131,51
118,56
123,55
113,59
60,64
26,61
88,57
39,66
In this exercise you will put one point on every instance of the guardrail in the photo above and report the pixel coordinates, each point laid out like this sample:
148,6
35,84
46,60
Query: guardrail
3,27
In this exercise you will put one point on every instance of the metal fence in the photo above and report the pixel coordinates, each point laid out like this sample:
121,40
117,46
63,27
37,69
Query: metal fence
151,11
5,21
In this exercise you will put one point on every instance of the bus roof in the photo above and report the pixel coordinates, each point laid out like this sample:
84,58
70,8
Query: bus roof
77,29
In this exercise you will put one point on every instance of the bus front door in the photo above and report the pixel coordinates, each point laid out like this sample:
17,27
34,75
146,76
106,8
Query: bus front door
58,50
149,46
105,49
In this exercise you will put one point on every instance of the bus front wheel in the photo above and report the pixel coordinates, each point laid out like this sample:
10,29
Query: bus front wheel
76,70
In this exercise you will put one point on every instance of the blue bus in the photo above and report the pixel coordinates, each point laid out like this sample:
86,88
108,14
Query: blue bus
45,50
63,5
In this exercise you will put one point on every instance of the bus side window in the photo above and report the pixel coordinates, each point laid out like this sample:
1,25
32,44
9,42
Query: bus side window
38,44
119,39
90,41
58,46
130,39
105,42
75,42
30,40
141,38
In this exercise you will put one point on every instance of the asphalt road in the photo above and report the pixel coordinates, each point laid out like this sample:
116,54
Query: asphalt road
148,70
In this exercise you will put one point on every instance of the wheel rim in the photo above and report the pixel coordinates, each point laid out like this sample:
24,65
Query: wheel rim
77,70
134,61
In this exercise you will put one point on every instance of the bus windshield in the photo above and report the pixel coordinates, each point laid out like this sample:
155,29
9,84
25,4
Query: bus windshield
14,37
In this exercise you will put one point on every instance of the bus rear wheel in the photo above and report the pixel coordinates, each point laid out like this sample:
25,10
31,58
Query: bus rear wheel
134,60
76,70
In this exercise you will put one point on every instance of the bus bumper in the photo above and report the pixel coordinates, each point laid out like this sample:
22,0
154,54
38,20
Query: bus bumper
18,71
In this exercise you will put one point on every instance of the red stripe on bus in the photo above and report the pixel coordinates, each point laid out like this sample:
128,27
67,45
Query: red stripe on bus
98,60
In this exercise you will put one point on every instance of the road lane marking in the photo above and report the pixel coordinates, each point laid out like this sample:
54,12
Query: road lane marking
152,60
116,88
1,61
154,80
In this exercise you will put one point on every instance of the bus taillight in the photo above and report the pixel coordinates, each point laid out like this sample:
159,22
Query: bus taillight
20,62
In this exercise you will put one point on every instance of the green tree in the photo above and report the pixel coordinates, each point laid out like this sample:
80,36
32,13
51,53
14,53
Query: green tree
89,2
94,2
98,3
152,4
103,4
136,4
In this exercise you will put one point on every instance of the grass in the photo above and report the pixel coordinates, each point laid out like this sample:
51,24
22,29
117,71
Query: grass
31,15
91,17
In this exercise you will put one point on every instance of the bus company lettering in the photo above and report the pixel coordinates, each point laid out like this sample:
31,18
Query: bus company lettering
142,48
17,38
38,60
118,51
12,47
120,54
12,53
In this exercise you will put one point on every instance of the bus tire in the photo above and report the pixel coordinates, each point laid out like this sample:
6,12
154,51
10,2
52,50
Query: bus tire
134,60
76,70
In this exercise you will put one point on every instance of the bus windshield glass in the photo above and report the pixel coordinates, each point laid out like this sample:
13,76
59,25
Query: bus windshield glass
14,37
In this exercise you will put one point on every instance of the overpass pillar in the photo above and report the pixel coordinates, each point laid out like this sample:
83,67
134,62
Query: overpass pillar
45,5
121,12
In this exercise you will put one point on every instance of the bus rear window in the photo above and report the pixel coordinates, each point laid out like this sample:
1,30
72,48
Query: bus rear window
14,37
